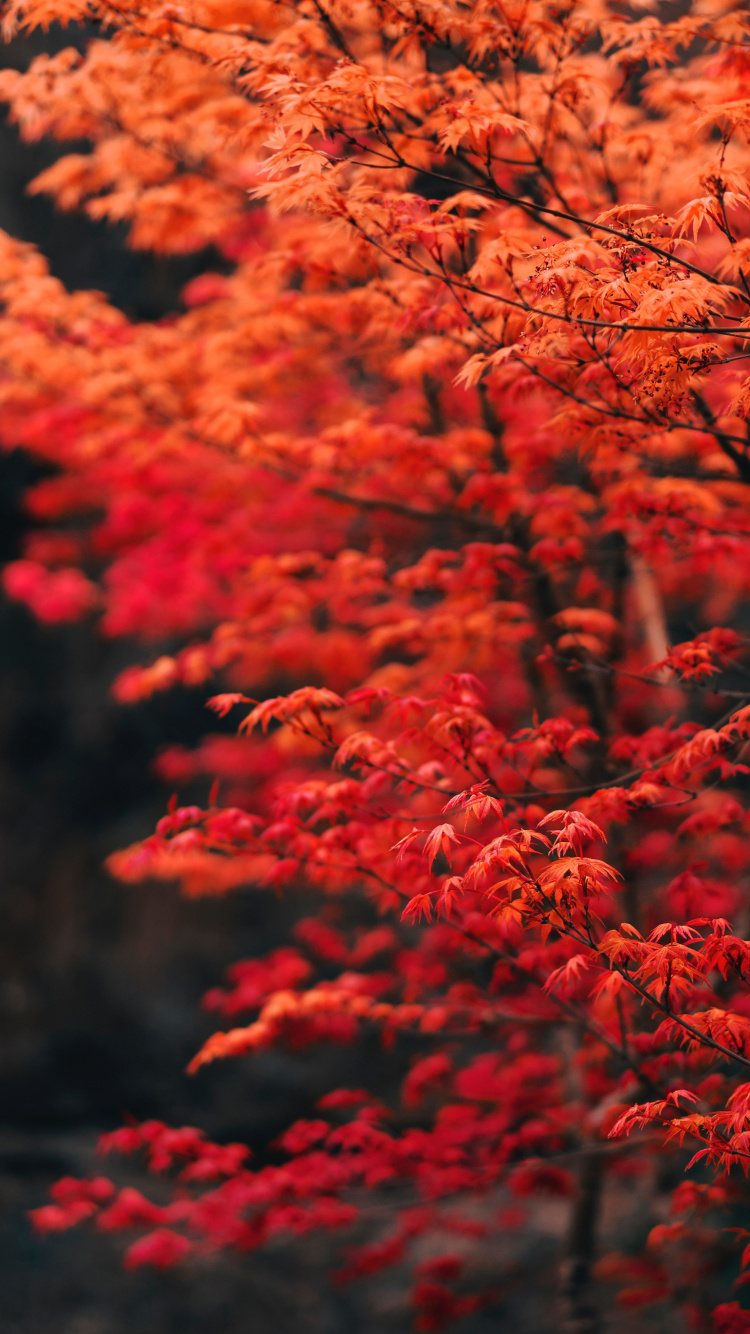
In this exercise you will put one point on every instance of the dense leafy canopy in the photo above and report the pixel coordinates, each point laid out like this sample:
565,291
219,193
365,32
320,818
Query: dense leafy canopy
441,453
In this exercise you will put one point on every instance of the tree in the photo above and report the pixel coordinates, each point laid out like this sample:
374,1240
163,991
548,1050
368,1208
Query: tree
447,446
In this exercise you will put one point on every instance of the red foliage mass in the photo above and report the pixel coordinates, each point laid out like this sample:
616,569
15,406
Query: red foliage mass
420,486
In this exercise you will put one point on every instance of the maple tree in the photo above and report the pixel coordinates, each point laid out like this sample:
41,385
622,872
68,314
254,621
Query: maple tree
444,448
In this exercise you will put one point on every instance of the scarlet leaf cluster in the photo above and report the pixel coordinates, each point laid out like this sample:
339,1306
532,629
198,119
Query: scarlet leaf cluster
443,483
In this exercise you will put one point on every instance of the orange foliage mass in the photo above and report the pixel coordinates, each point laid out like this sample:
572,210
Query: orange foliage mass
436,463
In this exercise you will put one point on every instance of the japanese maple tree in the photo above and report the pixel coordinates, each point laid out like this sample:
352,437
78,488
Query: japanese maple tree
441,454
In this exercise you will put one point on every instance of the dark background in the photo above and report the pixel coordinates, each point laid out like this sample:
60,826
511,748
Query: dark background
100,983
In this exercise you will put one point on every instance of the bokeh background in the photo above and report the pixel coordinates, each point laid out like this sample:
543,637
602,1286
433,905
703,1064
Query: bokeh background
100,985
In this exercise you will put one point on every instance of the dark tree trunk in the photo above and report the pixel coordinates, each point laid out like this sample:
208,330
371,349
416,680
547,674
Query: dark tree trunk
579,1312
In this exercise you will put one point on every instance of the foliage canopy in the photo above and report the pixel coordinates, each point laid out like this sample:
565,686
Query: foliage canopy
441,454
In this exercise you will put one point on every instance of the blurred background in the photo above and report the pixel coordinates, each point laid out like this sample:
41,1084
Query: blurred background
100,983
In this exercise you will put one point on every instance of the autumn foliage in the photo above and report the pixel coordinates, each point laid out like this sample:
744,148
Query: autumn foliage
439,483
